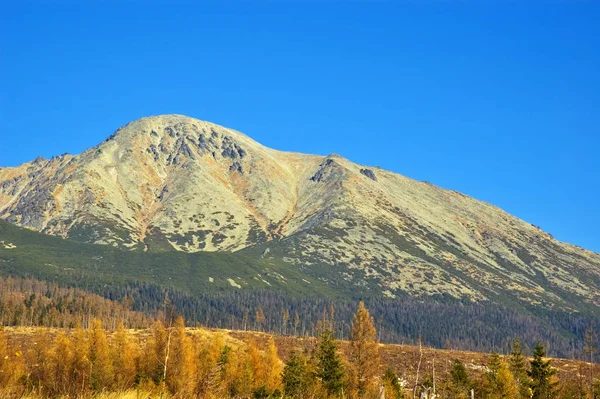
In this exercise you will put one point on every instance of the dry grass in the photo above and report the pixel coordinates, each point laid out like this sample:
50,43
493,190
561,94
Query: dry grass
112,395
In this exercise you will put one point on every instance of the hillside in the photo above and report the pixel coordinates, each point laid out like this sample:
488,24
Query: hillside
173,183
28,253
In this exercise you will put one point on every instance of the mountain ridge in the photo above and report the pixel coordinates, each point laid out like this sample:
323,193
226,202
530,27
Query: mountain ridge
172,182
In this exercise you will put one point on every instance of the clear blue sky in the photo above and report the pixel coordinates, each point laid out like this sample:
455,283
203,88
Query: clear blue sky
499,100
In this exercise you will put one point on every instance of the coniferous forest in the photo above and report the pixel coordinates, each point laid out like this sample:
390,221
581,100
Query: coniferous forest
405,320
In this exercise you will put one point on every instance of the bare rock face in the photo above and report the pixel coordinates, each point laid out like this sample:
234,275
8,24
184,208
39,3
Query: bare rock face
176,182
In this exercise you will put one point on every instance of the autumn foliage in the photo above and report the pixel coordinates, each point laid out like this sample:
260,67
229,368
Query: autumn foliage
170,360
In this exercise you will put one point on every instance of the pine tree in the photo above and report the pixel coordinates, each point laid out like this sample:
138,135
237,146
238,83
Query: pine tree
102,367
541,375
364,349
329,366
517,365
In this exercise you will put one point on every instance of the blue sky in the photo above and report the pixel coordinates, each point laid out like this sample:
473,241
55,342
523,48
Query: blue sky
499,100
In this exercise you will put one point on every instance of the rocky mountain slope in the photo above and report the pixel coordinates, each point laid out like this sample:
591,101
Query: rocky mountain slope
176,183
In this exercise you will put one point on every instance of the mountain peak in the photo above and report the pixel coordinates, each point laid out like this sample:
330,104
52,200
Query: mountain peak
171,182
174,125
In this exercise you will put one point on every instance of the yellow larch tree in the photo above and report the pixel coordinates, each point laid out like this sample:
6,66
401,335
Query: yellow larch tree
124,357
364,349
102,367
255,362
58,368
182,366
272,366
81,361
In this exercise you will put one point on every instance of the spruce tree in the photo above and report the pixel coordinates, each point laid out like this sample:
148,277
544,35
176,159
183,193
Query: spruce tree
329,365
541,375
460,383
518,369
294,376
391,384
459,375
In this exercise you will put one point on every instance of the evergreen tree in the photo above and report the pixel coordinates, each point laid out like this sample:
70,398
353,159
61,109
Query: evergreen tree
459,374
329,365
392,387
460,383
295,376
517,365
541,375
364,349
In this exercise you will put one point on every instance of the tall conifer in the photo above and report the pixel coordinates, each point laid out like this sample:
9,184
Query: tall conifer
518,368
329,365
541,375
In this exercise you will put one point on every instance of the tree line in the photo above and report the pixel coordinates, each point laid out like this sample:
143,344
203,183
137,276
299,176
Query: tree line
440,323
29,302
170,360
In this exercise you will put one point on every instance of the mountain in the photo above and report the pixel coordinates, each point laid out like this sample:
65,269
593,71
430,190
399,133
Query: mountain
172,183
